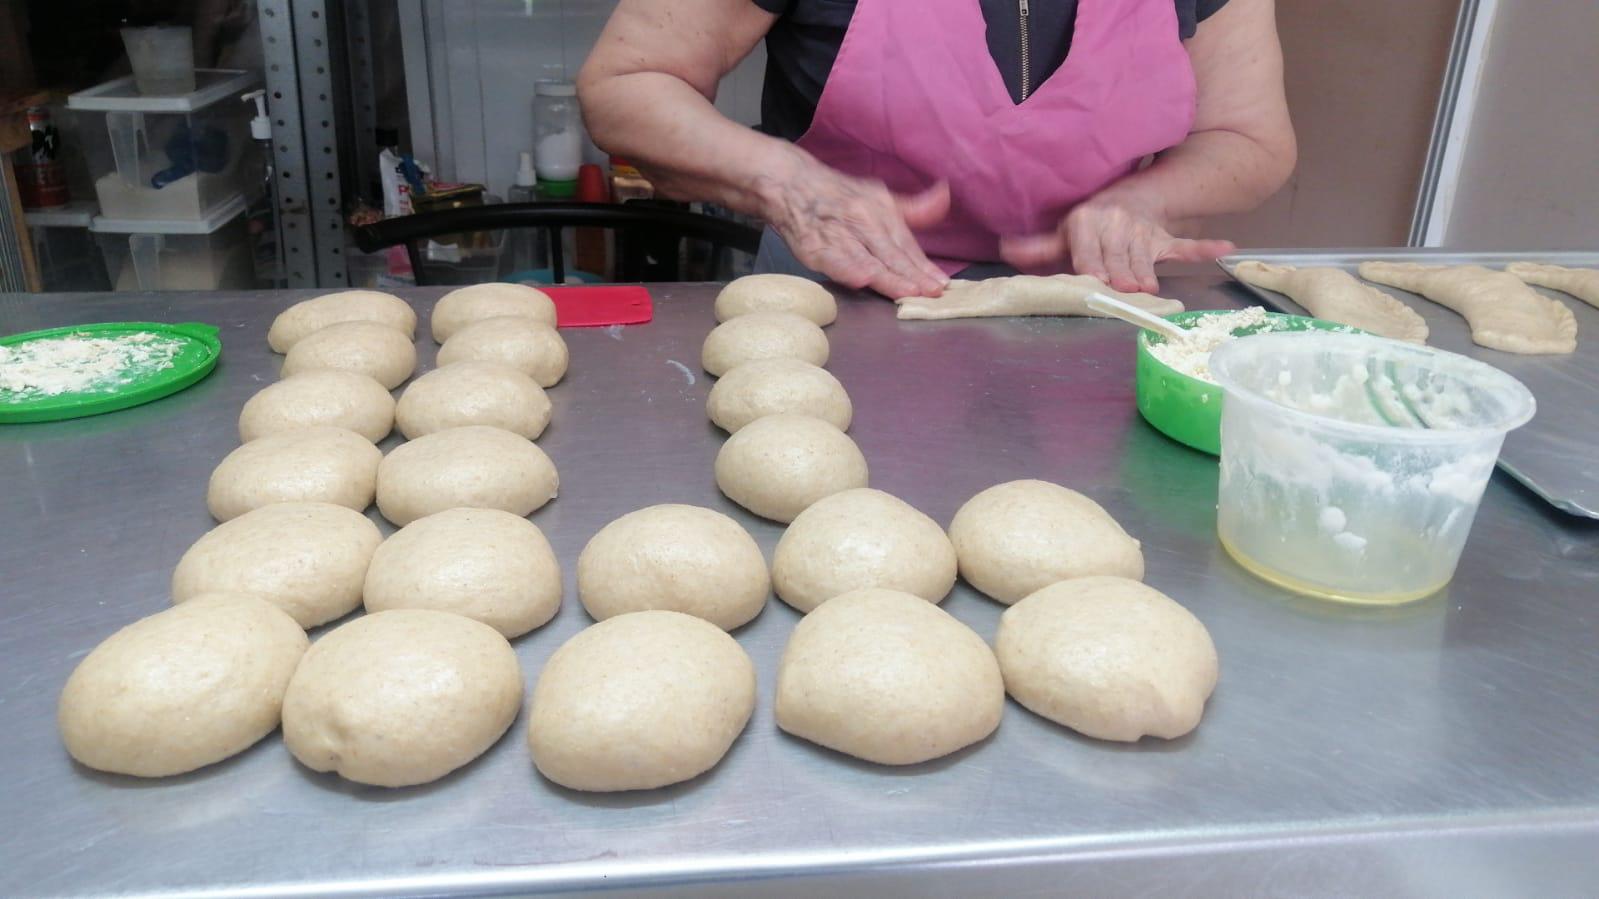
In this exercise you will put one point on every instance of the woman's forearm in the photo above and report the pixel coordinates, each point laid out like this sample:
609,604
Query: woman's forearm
1210,173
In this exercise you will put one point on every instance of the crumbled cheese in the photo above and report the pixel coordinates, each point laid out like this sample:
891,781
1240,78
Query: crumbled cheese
78,363
1191,356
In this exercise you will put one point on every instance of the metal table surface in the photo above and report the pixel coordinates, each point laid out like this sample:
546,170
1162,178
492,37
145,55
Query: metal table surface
1442,748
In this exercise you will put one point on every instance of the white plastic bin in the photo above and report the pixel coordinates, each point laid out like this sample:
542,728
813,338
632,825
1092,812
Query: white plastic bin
170,157
212,254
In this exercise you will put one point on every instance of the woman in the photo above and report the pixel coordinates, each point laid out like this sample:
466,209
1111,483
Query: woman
936,140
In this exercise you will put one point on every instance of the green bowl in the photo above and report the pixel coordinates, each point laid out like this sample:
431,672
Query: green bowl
1186,409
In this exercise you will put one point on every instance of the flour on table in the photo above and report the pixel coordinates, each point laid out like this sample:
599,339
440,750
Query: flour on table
76,363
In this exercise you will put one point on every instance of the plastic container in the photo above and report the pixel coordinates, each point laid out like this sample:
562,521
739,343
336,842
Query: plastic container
1352,466
1187,409
170,157
162,58
212,254
557,131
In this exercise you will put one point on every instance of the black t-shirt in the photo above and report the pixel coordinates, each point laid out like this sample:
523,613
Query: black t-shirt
804,41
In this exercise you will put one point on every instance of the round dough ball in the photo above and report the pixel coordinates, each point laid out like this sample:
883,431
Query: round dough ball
308,559
488,565
639,701
770,386
465,305
1109,658
1021,536
533,348
763,335
473,393
307,316
377,351
680,558
181,689
776,293
778,465
861,538
476,467
314,465
401,698
887,677
327,396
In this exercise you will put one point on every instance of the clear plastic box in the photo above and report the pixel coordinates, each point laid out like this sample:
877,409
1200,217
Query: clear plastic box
169,157
211,254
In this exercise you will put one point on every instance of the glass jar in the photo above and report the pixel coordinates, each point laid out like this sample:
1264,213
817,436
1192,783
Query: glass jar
557,131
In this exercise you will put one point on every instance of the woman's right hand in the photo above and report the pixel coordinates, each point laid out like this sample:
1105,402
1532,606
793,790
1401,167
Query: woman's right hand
856,231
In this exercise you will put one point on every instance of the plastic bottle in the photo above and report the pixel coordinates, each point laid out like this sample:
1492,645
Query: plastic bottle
590,252
262,213
557,131
527,244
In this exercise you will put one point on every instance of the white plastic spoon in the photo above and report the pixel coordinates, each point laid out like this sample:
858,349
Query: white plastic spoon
1135,316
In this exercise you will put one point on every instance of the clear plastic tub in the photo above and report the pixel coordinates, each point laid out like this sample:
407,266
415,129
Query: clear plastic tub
207,255
1352,466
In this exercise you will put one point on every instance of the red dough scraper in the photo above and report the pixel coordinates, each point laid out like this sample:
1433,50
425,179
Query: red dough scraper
593,307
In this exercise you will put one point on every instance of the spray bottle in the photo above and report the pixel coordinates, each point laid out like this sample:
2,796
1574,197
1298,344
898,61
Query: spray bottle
262,214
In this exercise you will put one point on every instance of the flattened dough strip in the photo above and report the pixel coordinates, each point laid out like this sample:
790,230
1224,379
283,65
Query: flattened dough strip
1504,313
1337,296
1025,295
1582,283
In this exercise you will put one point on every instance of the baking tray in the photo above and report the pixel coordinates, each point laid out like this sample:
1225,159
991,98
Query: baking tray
1554,455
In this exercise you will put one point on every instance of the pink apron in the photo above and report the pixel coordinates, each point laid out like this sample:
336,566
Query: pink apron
914,97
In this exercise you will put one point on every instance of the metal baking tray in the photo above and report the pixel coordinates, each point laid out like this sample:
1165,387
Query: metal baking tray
1554,455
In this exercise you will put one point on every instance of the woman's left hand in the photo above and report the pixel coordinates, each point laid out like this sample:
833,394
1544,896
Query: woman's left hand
1114,236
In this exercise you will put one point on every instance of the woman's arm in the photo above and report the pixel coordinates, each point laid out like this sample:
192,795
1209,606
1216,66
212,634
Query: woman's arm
1240,151
647,92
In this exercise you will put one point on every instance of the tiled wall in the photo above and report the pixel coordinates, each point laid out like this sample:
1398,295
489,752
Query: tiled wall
484,57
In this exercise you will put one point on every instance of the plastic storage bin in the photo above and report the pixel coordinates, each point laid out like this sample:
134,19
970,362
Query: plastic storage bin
210,254
170,157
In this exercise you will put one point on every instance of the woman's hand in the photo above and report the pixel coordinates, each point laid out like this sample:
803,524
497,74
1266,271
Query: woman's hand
856,231
1114,236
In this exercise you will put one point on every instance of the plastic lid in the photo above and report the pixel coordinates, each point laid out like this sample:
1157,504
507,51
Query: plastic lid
558,188
122,95
555,89
195,358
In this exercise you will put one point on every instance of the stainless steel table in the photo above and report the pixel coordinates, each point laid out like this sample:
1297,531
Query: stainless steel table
1443,748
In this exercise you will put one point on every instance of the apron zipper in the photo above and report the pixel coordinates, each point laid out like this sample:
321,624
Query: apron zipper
1027,51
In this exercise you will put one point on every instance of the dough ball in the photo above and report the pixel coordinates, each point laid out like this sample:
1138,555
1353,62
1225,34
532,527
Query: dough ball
769,386
533,348
1109,658
680,558
1021,536
465,305
181,689
400,698
887,677
639,701
327,396
861,538
777,465
308,559
307,316
763,335
476,466
776,293
313,465
377,351
473,393
488,565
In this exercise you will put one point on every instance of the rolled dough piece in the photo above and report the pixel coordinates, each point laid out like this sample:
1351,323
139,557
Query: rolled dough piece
1504,313
465,305
861,538
308,559
401,698
1335,295
368,348
1109,658
488,565
528,346
1582,283
770,386
679,558
778,465
776,293
315,465
473,393
1017,537
639,701
183,688
763,335
317,313
1025,295
327,396
887,677
475,467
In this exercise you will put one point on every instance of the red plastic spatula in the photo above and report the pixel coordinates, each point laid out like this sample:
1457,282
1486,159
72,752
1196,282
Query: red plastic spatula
593,307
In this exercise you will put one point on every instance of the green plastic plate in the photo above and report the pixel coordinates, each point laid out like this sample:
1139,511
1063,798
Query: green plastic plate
196,357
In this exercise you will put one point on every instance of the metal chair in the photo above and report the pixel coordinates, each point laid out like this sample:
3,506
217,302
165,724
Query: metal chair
648,236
